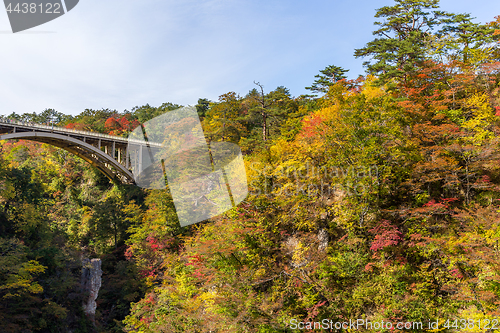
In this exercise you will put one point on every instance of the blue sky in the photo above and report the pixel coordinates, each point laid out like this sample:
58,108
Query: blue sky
120,54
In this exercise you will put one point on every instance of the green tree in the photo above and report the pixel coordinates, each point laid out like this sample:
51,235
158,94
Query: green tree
147,112
327,78
466,41
223,120
266,112
202,107
401,39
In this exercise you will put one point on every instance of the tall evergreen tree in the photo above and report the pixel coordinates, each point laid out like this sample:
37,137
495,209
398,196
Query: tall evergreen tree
400,45
466,41
328,77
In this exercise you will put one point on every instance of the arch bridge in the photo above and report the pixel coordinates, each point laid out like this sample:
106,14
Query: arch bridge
117,157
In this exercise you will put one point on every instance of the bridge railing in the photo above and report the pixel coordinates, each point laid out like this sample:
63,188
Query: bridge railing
67,130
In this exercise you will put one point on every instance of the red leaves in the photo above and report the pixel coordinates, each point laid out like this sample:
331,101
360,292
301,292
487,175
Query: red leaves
149,272
156,244
111,124
443,204
194,260
436,207
456,273
314,311
153,243
117,126
76,126
147,320
435,204
150,299
311,126
386,235
197,262
497,109
124,122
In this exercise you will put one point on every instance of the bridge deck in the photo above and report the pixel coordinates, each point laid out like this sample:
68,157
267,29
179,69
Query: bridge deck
9,126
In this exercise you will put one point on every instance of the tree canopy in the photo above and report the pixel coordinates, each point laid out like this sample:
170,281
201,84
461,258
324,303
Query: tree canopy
378,200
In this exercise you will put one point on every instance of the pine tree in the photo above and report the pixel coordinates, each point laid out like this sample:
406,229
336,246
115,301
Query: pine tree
400,45
328,77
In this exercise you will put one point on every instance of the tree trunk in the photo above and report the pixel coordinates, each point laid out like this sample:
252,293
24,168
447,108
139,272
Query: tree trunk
264,126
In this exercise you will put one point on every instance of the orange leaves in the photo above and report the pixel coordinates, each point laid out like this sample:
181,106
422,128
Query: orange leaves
111,123
497,111
312,126
76,126
496,24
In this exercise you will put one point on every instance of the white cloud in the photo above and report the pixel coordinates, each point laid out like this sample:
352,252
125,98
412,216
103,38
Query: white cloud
119,54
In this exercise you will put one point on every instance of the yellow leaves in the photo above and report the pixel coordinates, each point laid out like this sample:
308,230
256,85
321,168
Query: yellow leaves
481,55
373,92
299,254
259,273
316,126
33,267
370,90
344,217
21,279
208,300
195,303
8,191
283,148
478,125
479,101
474,320
492,236
185,285
35,288
84,226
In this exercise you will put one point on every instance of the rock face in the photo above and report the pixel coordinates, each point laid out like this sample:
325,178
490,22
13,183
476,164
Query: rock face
323,239
91,283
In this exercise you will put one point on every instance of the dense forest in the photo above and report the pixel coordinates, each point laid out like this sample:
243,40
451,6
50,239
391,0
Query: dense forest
376,198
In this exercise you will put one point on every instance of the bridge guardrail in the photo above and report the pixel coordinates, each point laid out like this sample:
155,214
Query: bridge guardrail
67,130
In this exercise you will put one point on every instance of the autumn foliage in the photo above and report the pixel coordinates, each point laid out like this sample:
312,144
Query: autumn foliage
379,200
